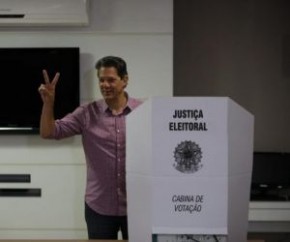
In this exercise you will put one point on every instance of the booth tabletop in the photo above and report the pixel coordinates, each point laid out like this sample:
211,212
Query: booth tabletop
86,240
52,240
73,240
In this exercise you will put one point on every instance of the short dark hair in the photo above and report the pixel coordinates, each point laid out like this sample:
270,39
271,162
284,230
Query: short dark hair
113,61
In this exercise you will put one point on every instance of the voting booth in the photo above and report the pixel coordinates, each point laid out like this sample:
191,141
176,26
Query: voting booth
188,170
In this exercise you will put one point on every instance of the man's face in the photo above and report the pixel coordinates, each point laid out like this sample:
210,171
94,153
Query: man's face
111,85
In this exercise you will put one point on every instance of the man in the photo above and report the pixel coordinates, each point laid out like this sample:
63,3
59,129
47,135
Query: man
102,126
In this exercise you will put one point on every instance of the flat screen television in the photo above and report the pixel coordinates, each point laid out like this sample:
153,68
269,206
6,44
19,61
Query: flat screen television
21,75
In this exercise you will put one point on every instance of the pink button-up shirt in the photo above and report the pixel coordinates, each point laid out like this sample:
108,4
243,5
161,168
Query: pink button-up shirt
103,137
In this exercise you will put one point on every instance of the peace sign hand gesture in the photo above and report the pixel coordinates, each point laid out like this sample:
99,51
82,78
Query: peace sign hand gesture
47,89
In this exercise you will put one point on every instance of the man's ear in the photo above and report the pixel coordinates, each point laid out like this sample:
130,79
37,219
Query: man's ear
125,80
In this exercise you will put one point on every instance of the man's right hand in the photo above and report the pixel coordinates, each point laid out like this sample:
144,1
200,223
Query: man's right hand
47,93
47,89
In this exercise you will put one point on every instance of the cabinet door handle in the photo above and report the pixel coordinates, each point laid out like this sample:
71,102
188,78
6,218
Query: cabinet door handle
20,192
15,178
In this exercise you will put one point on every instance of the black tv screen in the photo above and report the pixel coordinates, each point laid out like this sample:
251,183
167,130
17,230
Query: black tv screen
21,75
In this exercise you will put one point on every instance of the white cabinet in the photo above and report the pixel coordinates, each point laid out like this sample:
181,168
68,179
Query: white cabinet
269,217
60,205
56,168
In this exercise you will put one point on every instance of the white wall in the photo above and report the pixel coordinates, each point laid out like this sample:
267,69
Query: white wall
139,31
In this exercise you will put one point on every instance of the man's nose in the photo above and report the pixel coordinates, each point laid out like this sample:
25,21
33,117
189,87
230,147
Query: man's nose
104,84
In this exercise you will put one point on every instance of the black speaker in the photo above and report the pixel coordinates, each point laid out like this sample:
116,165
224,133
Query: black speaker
271,177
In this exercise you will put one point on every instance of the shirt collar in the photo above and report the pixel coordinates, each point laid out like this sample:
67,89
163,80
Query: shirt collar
128,108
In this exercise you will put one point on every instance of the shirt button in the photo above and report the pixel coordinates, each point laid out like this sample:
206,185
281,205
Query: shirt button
119,174
118,130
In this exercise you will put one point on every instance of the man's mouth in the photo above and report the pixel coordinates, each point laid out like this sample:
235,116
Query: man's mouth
107,92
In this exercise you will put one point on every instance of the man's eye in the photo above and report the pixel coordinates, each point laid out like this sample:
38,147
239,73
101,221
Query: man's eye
109,80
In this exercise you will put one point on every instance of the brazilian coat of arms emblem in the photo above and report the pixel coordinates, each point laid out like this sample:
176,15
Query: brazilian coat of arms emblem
187,156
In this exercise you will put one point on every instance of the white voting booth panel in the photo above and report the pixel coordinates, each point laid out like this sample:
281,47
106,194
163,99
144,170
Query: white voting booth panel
189,165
